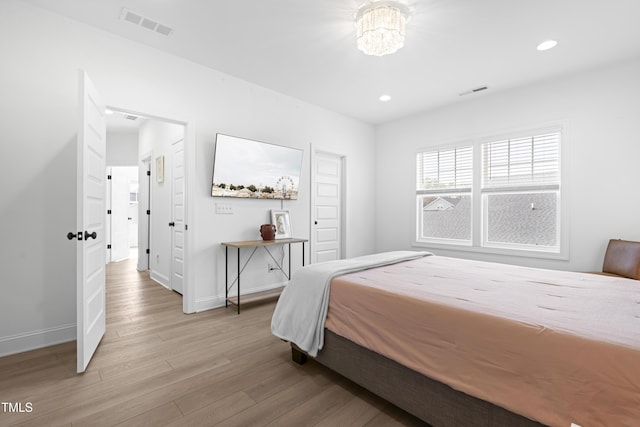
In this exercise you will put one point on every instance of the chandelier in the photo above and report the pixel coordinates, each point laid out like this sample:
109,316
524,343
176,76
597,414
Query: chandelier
380,27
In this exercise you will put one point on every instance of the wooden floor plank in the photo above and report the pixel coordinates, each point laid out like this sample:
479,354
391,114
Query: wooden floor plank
158,366
158,416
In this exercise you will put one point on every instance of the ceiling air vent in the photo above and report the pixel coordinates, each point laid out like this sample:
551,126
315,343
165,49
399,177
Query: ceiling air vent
130,117
470,91
144,22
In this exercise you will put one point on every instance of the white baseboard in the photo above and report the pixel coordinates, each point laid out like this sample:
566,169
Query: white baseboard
209,303
159,278
36,339
47,337
212,302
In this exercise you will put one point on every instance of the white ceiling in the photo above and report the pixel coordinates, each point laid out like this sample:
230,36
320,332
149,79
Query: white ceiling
306,48
122,122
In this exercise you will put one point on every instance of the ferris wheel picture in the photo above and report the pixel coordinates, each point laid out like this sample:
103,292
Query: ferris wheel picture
286,187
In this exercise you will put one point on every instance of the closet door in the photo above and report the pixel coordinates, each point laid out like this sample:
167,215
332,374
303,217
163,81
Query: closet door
327,207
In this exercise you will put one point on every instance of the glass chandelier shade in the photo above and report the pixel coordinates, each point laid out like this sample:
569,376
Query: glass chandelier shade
381,28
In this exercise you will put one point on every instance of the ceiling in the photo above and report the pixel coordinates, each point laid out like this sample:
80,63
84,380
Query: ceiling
306,48
123,122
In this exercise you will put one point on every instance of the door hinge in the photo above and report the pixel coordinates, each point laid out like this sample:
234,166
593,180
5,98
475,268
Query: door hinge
148,211
108,246
109,177
108,211
186,227
148,173
147,251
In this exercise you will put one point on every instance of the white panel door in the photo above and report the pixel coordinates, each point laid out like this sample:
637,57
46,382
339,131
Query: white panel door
326,229
178,215
91,251
120,189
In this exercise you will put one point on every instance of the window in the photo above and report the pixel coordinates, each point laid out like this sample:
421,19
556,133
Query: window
520,192
444,180
506,189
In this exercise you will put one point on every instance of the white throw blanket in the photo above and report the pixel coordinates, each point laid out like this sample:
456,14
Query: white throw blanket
302,308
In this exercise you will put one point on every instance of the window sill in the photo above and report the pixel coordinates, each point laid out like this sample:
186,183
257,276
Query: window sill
494,251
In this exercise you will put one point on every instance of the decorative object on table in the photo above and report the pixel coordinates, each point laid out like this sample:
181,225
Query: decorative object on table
160,169
268,231
282,222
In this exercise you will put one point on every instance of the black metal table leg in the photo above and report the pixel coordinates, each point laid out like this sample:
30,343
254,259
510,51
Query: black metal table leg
226,276
238,280
289,261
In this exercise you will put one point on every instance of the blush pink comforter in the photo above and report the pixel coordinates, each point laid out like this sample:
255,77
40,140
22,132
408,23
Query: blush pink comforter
556,347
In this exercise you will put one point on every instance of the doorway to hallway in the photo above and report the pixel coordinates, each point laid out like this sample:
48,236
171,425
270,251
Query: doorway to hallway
145,198
123,213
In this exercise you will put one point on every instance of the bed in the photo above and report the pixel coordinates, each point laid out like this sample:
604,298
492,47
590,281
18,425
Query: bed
459,342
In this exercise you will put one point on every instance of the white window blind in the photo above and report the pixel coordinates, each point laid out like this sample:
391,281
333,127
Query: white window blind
444,170
529,162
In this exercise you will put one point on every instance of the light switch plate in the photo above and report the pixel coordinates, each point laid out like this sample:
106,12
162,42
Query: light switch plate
224,209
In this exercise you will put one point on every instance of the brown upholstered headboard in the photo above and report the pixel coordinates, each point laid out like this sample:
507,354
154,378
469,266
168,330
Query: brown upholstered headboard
622,259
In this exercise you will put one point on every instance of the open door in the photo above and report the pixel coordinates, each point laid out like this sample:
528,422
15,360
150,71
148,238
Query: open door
91,250
178,214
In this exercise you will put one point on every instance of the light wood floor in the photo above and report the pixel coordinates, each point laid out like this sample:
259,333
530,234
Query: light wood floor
159,367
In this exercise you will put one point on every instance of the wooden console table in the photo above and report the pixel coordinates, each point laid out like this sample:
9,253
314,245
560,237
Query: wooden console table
255,244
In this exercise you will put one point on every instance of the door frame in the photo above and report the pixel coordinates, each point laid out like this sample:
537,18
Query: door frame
188,297
115,172
314,151
144,219
107,221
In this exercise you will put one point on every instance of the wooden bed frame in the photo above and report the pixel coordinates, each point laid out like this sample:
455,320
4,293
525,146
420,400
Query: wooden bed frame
431,401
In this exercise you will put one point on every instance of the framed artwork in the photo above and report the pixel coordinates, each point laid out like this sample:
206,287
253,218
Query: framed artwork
160,169
282,221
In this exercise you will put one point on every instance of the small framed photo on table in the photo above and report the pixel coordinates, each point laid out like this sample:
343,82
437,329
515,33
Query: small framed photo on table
282,221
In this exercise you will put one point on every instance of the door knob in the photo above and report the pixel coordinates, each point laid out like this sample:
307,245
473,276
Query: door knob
71,235
172,224
87,235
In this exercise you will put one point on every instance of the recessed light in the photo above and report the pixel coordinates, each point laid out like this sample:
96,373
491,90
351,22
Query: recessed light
108,111
385,98
546,45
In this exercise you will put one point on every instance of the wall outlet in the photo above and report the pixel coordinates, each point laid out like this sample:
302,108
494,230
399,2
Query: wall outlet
224,209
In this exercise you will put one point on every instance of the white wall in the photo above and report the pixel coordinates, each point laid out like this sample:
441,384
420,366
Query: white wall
601,110
122,148
41,55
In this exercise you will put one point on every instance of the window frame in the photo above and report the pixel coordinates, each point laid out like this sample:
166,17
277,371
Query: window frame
478,242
